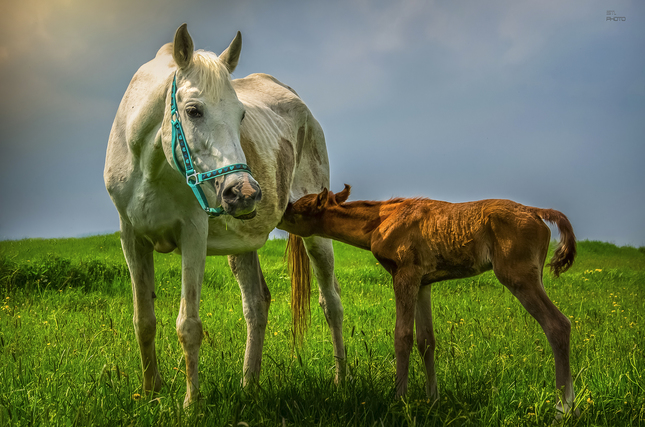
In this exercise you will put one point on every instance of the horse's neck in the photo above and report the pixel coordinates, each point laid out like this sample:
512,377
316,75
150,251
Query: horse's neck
354,222
145,103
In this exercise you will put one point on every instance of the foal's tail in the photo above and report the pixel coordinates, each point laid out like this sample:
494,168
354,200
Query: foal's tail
565,253
300,272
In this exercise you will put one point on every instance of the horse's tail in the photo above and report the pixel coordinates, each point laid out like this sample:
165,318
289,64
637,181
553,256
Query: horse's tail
300,272
565,253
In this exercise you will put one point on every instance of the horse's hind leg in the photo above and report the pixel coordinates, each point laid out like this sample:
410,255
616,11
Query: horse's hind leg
321,254
524,280
138,255
256,299
426,340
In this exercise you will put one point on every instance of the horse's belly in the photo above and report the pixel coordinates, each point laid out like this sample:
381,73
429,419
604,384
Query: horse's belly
234,246
159,215
236,237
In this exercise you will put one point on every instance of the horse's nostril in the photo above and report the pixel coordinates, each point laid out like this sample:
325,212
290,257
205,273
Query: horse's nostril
230,192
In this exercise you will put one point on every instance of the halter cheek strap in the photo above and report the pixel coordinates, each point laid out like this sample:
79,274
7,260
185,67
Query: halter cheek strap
193,178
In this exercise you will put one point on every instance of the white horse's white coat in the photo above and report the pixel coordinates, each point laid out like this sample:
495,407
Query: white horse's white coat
255,120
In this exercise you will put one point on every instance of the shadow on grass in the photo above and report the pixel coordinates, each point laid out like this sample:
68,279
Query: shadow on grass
359,402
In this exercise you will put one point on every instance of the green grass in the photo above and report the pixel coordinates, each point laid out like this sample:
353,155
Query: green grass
68,355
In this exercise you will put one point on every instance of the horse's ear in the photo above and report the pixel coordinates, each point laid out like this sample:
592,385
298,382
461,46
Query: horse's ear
232,53
321,199
343,195
183,47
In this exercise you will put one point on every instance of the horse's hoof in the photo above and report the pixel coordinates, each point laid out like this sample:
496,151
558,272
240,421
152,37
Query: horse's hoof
191,402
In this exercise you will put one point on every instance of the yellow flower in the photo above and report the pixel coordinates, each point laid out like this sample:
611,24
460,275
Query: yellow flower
136,396
209,314
275,333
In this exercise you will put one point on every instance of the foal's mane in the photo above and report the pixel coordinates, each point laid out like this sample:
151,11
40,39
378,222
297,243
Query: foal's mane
371,203
207,69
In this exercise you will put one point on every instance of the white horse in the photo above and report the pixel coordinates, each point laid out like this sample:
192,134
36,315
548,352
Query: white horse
186,138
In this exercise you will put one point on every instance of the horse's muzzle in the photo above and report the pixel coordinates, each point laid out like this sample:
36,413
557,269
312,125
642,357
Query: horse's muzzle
240,195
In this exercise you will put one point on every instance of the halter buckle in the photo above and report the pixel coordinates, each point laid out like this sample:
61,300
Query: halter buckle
195,176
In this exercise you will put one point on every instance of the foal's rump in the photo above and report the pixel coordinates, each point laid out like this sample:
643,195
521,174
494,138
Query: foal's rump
565,253
522,228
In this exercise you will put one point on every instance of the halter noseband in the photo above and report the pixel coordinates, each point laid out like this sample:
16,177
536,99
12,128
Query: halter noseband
193,178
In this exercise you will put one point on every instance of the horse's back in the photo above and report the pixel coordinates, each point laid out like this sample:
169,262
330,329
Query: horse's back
282,107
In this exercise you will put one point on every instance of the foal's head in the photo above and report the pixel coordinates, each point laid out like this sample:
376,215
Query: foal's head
211,117
304,216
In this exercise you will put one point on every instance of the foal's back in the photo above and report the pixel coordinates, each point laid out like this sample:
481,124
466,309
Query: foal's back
455,240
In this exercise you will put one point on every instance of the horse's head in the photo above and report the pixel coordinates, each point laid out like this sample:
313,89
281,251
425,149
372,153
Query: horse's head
304,216
210,115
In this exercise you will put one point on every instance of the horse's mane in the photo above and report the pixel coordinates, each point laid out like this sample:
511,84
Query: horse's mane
207,69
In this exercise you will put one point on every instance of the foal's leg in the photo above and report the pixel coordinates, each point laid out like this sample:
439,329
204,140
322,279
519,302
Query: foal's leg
525,282
425,339
256,299
321,254
406,289
189,324
138,255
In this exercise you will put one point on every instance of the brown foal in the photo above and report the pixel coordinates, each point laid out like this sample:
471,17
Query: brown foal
421,241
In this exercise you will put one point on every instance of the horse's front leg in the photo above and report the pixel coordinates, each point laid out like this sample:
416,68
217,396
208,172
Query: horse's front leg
189,324
406,288
138,255
256,299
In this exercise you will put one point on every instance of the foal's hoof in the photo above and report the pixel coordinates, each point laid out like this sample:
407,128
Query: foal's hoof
562,414
153,386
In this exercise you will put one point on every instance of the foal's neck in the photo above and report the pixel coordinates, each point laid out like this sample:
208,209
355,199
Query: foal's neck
354,222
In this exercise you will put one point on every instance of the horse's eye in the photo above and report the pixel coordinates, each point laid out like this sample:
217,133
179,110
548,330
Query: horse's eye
193,111
243,115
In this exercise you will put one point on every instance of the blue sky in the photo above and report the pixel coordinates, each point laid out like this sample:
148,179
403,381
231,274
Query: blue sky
542,102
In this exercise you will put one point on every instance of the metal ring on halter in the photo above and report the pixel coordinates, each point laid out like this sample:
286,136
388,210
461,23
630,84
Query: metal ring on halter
193,175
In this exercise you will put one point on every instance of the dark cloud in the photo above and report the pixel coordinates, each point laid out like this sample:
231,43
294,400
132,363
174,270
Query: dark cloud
541,102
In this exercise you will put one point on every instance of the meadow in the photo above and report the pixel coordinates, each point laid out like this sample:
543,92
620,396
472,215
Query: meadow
68,354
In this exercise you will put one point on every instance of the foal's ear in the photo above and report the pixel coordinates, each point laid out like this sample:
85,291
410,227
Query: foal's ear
183,47
321,199
232,53
343,195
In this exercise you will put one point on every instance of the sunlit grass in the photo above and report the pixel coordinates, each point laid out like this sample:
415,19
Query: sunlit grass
68,355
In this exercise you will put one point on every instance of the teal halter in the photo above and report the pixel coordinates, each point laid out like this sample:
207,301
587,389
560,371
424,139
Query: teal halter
195,179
